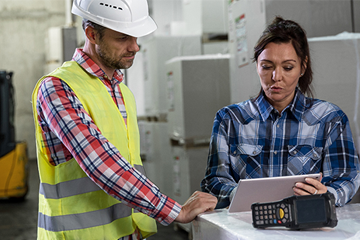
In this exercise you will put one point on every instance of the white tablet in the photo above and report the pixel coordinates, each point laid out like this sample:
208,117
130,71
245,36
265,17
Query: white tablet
266,189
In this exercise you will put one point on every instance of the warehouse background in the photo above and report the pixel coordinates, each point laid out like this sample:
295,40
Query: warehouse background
25,26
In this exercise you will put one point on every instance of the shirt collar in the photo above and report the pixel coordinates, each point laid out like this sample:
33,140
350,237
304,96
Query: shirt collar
264,106
92,68
296,107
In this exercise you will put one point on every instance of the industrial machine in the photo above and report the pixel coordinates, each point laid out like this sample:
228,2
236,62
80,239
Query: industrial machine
13,155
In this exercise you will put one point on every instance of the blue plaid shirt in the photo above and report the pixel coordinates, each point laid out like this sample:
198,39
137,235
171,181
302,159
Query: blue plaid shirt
252,140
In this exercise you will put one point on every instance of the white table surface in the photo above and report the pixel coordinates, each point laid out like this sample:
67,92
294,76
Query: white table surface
221,225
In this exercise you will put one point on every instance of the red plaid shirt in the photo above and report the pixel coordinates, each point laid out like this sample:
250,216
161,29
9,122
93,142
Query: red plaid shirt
69,132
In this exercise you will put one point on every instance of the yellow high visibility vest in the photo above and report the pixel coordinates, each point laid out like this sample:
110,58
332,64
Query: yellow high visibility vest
71,205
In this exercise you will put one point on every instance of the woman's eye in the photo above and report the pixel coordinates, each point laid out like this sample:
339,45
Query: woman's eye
266,67
289,68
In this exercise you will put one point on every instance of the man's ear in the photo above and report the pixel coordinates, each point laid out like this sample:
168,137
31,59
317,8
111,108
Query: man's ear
90,34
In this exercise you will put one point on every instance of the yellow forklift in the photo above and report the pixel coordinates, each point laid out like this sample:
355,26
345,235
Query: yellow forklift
13,155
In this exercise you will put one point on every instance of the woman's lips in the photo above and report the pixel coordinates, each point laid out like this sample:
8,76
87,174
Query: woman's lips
276,89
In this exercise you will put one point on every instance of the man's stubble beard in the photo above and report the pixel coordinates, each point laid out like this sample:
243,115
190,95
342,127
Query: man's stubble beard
110,62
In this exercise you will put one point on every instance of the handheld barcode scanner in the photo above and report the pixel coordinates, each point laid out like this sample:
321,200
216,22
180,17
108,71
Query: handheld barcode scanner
296,212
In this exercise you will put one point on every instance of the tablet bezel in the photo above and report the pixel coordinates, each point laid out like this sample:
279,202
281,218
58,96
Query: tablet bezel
267,189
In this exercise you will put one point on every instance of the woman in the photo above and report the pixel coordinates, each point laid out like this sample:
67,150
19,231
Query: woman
281,131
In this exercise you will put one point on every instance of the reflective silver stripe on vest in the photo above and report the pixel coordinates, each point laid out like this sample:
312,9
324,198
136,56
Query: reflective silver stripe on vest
69,188
140,169
83,220
73,187
80,220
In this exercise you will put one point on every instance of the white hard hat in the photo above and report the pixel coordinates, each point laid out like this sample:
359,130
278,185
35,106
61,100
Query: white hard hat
130,17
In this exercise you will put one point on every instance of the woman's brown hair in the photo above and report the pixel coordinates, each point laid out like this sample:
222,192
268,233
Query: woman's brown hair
285,31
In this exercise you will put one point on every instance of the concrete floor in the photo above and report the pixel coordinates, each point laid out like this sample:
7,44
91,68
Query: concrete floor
18,220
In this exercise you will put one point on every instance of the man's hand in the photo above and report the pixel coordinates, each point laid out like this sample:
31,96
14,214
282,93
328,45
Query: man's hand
311,187
199,202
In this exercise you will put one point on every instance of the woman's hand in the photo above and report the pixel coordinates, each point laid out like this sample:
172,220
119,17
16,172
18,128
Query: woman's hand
310,187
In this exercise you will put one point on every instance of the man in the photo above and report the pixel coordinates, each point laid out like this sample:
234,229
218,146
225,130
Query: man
92,181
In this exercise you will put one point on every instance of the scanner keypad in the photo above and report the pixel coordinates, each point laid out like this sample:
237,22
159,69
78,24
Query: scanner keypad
271,214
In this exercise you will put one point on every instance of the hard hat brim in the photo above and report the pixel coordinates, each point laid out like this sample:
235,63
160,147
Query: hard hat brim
139,28
144,28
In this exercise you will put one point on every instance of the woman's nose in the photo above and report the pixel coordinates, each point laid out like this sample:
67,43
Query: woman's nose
276,75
